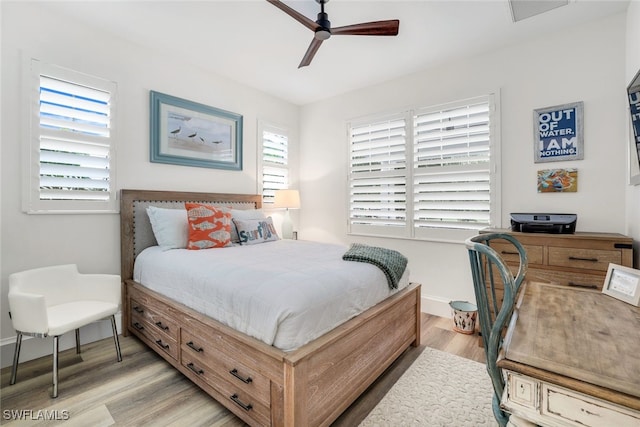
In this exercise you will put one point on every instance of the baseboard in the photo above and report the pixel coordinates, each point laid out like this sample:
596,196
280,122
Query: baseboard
33,348
435,305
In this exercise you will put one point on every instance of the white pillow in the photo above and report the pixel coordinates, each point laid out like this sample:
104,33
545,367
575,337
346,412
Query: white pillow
170,227
243,214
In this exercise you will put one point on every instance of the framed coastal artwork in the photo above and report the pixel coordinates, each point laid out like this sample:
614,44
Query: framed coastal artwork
191,134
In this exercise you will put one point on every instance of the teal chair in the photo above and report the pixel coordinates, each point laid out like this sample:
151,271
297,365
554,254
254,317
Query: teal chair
496,288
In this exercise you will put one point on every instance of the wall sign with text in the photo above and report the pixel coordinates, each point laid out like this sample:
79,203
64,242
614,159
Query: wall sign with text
558,133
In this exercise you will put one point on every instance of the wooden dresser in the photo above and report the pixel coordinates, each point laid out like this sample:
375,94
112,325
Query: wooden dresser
577,260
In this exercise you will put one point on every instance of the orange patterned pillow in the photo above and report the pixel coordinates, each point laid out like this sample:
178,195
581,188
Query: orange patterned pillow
209,226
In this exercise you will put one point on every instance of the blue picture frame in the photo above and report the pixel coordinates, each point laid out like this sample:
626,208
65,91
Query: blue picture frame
187,133
558,133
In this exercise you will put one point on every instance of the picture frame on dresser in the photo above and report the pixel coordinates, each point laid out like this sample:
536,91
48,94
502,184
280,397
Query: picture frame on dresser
191,134
623,283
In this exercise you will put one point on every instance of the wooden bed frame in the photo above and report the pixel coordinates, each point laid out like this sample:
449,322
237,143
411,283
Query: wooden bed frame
262,385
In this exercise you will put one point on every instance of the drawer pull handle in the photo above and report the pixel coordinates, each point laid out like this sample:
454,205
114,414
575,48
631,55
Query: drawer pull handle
576,258
509,253
193,346
235,373
239,402
138,326
161,326
194,369
138,310
583,285
589,412
160,344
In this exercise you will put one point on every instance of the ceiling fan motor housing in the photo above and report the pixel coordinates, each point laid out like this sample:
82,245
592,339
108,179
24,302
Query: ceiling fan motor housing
324,32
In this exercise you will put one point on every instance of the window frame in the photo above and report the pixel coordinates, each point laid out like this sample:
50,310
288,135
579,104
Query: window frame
409,231
31,202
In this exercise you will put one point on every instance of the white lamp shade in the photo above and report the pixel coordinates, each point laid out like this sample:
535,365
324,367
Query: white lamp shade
289,199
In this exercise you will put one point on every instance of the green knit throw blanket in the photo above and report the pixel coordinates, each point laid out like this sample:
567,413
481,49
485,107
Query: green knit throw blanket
392,263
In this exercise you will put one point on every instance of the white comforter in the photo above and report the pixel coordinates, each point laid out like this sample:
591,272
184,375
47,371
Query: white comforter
285,293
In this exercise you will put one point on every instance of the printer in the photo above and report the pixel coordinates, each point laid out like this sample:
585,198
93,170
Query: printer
544,223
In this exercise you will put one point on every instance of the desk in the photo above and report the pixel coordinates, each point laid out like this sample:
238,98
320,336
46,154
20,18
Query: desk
572,358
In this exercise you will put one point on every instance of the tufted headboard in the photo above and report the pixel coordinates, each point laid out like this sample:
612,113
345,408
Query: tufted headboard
135,228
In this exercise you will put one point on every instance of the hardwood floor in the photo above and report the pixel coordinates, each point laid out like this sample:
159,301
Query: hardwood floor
95,390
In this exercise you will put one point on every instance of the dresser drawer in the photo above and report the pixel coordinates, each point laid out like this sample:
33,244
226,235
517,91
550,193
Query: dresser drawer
509,253
588,259
244,380
155,318
247,403
565,278
580,410
151,332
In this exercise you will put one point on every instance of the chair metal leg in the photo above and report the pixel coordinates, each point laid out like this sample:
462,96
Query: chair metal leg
16,356
115,337
78,341
55,367
501,417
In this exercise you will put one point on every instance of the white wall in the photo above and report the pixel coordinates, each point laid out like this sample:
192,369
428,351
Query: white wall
92,241
577,64
631,68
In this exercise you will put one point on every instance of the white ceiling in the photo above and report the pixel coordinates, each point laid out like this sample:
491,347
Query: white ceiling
255,43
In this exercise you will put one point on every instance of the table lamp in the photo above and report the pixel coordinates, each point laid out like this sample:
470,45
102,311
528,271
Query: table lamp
287,199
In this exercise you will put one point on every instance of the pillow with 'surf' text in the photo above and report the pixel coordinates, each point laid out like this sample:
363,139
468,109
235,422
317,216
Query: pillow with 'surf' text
253,231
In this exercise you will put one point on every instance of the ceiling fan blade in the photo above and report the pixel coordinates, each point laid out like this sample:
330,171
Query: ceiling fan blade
376,28
295,15
311,51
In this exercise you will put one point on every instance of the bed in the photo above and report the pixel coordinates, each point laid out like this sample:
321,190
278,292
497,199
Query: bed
310,384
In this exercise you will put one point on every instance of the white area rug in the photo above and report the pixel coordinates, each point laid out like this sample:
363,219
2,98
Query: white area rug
438,389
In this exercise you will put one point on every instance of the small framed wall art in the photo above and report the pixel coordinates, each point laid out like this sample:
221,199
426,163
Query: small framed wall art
558,181
558,133
191,134
623,283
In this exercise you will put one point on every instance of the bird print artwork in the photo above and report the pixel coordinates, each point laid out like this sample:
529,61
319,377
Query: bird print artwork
200,134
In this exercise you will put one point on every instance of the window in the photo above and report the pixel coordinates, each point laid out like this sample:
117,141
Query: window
426,173
70,161
274,161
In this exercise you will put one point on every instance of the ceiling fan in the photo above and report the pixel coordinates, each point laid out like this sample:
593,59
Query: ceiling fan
322,28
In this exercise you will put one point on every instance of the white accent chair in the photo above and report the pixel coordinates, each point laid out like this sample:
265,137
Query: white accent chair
51,301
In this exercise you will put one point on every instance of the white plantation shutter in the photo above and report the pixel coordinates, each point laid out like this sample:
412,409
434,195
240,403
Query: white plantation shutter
427,173
378,175
452,174
71,155
275,163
